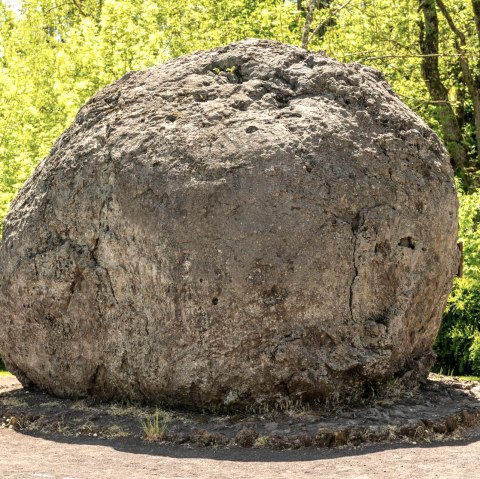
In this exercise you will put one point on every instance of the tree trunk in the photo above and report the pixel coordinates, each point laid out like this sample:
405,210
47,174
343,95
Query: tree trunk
471,80
308,23
476,16
452,133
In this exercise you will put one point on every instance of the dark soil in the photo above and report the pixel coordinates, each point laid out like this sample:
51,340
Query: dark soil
442,408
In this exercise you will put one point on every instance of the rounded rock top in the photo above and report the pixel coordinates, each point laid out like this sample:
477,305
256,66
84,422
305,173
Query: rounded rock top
233,227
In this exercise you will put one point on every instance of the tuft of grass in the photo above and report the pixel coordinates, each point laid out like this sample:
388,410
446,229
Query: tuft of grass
155,427
16,423
393,390
12,402
392,432
114,432
50,404
290,406
121,410
80,405
261,441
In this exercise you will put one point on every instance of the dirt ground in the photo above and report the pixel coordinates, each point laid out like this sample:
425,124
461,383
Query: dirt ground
77,447
24,456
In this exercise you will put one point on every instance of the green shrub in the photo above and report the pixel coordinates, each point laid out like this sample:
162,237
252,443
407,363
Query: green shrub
458,341
2,366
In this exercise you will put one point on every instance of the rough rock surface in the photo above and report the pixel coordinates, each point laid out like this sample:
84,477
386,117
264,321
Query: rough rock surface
231,227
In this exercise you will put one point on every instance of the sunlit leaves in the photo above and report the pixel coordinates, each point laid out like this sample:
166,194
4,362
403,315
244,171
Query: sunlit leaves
55,55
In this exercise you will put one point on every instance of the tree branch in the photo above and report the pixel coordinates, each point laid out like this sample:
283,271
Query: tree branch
451,23
58,6
379,57
308,23
79,8
330,16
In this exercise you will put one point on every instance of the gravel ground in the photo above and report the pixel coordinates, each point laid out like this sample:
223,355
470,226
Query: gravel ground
25,456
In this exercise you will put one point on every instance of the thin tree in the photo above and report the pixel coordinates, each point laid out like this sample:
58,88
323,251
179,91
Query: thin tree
452,133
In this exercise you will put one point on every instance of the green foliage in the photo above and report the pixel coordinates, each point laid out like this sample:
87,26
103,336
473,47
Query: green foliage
458,342
155,427
469,233
383,35
55,55
2,365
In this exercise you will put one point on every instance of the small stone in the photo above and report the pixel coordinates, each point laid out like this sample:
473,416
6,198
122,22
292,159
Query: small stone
476,390
451,423
413,429
397,413
301,440
246,437
468,418
340,438
324,438
439,427
271,426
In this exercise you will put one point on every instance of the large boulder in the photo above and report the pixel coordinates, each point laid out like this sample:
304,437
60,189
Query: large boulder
231,227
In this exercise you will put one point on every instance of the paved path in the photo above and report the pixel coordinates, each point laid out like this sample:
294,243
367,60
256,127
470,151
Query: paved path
23,456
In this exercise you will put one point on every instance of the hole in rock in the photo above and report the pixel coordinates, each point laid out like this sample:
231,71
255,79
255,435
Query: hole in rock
308,167
215,301
407,242
356,223
381,319
171,117
282,100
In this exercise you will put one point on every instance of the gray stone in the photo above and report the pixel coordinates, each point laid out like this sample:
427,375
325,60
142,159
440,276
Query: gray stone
230,227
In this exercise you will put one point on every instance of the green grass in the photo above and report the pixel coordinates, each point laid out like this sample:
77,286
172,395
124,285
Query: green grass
3,372
155,427
469,378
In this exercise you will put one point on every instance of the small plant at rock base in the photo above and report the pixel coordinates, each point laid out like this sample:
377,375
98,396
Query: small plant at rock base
392,432
11,402
261,441
80,405
114,431
123,410
155,427
50,404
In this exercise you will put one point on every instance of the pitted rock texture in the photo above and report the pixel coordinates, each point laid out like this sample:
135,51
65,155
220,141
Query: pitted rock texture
231,227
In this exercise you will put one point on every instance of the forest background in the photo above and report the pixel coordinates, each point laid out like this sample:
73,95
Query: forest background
55,54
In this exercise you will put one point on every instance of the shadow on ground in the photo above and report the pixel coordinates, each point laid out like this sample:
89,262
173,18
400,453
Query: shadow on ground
240,454
443,412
